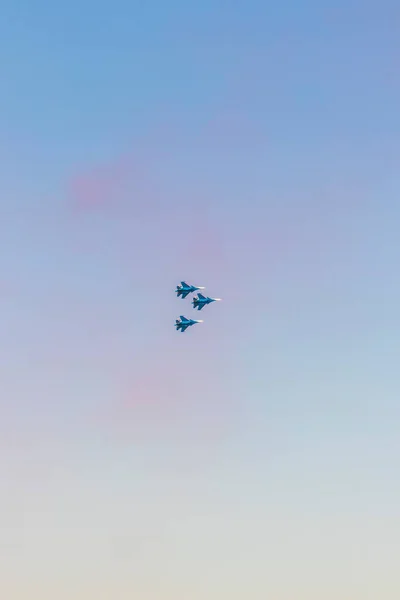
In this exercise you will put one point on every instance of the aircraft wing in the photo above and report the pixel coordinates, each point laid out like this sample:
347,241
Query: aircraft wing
183,319
184,293
184,284
201,297
184,327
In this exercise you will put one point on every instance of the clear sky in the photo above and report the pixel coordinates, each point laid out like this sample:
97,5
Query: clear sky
249,147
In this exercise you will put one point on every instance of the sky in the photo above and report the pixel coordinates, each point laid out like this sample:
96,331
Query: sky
252,148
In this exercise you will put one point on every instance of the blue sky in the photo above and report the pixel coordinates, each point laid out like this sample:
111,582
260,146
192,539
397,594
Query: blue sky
251,148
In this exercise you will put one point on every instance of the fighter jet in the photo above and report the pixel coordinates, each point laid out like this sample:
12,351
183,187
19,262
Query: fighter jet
184,289
183,323
201,301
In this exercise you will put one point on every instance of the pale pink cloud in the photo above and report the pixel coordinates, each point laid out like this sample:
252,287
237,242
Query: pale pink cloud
165,411
233,130
130,184
135,189
101,186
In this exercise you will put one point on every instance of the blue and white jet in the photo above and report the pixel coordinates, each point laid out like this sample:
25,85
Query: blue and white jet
184,289
200,301
183,323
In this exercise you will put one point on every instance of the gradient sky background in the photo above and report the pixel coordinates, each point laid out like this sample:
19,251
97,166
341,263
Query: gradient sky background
248,147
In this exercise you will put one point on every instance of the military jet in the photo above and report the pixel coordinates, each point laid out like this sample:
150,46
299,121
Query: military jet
201,301
184,289
183,323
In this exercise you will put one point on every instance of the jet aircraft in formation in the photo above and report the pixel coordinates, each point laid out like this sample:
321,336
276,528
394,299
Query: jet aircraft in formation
198,302
183,323
184,289
201,301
